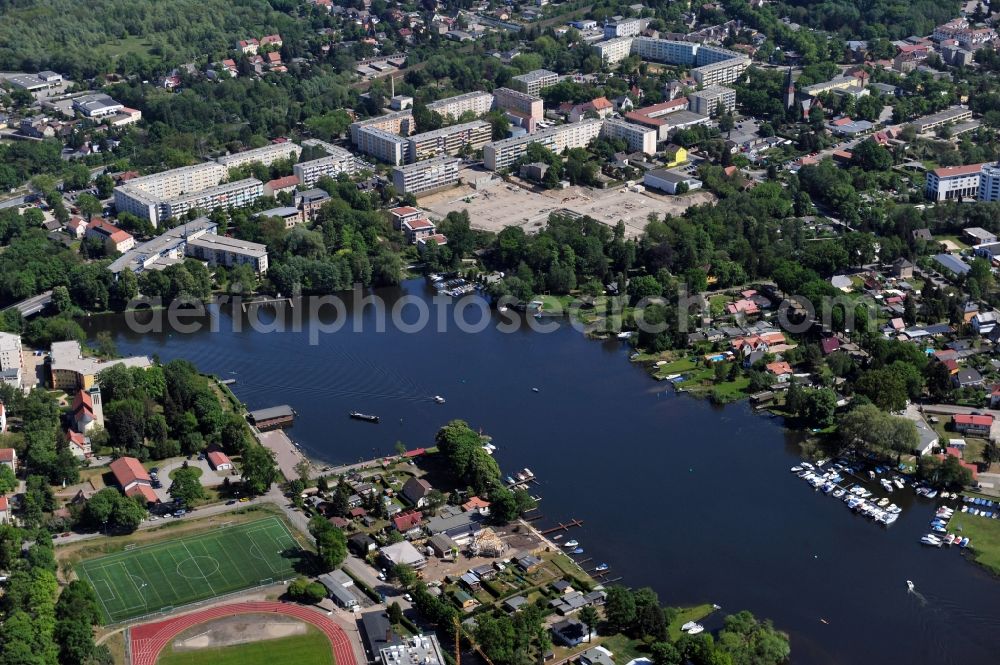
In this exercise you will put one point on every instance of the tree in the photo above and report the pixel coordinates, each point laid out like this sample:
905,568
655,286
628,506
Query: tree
306,591
404,574
752,642
664,653
588,615
619,609
819,406
877,431
8,481
259,469
395,613
331,544
186,487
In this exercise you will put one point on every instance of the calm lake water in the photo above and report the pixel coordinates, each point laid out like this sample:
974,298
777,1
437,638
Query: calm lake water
693,500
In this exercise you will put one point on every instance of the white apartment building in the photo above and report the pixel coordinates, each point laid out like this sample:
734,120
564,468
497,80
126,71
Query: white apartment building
234,194
148,197
399,122
638,137
535,81
332,165
989,183
954,182
710,64
382,144
448,140
266,155
501,155
519,102
707,100
624,27
222,251
477,103
10,352
426,176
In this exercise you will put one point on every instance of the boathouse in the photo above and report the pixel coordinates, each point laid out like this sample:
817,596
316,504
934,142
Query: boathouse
272,417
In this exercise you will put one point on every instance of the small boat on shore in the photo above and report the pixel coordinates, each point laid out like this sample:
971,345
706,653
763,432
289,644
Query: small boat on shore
368,418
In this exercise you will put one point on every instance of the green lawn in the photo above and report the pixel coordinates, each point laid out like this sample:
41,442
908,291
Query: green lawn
197,471
696,613
312,648
172,573
983,535
624,648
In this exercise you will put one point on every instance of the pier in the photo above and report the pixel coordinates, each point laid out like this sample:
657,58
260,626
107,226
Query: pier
562,527
269,302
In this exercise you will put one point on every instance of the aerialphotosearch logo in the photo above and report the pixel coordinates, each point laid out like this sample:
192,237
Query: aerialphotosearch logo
364,311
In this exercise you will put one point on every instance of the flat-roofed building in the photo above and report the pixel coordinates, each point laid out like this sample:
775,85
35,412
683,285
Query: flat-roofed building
613,51
477,103
519,102
10,352
639,138
623,27
97,105
399,122
709,64
163,250
847,84
332,166
500,155
426,176
534,81
707,100
219,250
70,370
935,120
449,140
174,192
265,155
989,183
384,145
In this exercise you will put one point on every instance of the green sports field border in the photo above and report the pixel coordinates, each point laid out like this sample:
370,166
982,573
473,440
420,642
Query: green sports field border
235,542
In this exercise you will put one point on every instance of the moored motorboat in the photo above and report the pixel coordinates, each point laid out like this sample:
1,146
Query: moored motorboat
570,544
910,585
695,629
601,567
578,550
364,416
439,399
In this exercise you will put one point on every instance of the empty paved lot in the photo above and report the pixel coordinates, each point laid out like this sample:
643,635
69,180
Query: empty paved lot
505,205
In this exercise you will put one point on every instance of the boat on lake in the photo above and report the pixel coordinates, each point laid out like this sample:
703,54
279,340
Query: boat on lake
899,483
601,567
439,399
578,550
368,418
570,544
695,629
909,585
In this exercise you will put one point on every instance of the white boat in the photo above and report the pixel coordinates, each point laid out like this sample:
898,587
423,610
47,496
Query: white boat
689,625
796,469
932,494
887,485
838,493
570,544
899,483
439,399
624,335
805,465
909,585
883,502
695,629
890,518
930,540
822,462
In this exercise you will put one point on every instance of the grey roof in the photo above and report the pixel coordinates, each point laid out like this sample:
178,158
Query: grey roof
949,262
284,211
281,411
378,631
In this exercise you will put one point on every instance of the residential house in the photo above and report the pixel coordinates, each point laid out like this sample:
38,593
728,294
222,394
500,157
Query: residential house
967,378
310,201
279,185
442,545
403,553
569,632
984,322
361,544
8,457
828,345
5,516
415,490
114,238
133,479
597,656
902,269
77,227
528,563
481,506
973,424
404,522
79,445
675,155
782,370
417,229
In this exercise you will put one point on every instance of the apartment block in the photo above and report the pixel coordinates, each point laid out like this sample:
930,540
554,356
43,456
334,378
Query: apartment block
707,100
400,122
266,155
163,195
933,121
623,27
426,176
535,81
223,251
448,140
477,103
989,183
954,182
10,352
501,155
382,144
639,138
709,64
518,102
332,166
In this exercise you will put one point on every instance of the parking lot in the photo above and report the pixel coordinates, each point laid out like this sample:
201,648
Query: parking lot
503,205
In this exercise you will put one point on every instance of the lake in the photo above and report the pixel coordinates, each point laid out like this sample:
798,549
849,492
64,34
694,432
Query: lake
691,499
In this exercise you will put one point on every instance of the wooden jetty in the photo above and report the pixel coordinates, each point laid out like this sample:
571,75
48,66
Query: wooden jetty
562,527
267,302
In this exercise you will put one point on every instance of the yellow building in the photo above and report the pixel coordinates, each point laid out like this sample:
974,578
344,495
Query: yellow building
675,155
69,370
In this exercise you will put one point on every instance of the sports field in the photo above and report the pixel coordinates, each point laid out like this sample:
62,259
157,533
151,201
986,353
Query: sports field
179,571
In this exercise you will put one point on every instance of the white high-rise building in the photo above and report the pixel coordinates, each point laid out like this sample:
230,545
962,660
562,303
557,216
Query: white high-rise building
989,182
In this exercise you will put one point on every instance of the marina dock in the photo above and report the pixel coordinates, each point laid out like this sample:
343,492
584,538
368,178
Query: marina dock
562,527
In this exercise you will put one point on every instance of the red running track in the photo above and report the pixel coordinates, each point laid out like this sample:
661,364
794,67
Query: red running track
149,639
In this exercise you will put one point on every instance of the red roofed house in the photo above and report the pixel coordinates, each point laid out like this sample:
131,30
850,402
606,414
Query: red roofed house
77,226
744,306
438,239
271,40
278,185
8,457
249,46
404,214
406,521
133,479
969,423
358,512
339,522
4,510
230,66
220,461
79,444
828,345
273,59
415,229
955,452
601,107
953,182
113,237
482,506
780,369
